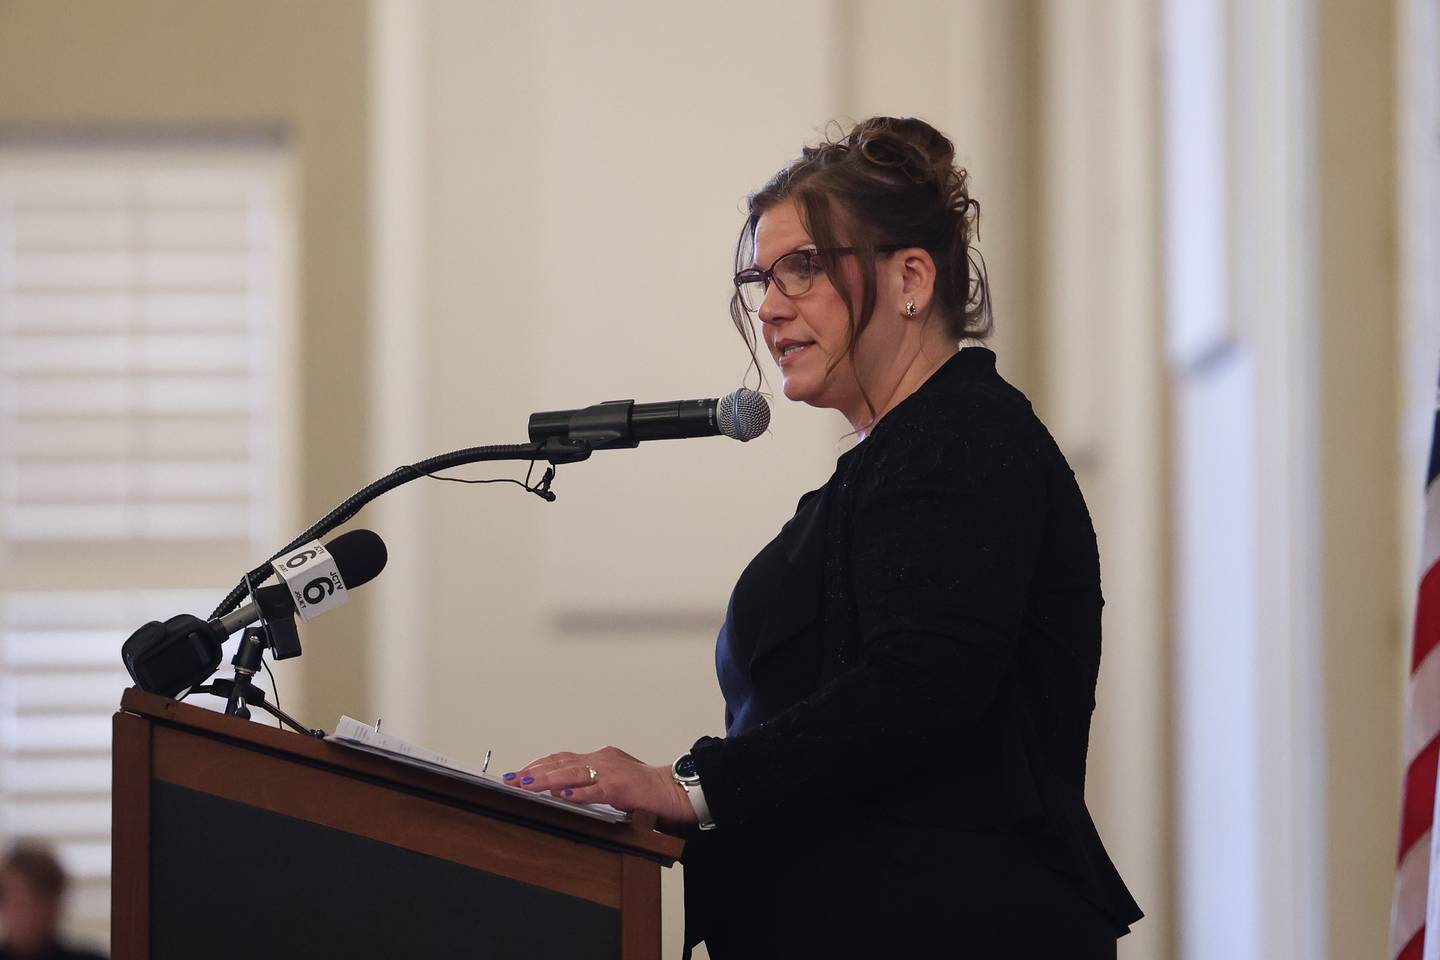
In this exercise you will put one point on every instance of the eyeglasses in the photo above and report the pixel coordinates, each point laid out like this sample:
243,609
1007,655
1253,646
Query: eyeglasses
792,273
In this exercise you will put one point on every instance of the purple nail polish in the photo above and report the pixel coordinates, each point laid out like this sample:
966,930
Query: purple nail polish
508,776
568,791
527,779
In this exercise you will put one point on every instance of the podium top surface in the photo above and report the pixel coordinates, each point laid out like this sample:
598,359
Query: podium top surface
638,836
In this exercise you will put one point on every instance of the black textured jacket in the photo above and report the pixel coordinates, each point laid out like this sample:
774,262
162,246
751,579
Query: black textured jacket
918,664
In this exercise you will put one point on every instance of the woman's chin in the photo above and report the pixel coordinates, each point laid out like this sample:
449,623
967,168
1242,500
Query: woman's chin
805,390
797,389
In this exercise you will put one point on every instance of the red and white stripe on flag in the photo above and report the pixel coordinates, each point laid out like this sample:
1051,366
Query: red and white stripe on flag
1419,838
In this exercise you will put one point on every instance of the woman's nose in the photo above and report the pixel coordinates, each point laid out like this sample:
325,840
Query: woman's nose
776,307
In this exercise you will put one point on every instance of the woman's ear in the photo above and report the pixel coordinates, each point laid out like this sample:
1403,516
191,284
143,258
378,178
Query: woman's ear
917,280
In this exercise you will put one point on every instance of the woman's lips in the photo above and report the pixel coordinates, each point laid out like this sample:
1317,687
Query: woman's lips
787,357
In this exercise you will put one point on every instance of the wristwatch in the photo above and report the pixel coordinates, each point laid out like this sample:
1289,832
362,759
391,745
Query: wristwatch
685,774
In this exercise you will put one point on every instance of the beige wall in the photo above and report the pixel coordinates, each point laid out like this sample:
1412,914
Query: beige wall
1101,390
1365,640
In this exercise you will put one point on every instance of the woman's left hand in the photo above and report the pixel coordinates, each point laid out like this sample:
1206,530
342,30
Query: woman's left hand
620,780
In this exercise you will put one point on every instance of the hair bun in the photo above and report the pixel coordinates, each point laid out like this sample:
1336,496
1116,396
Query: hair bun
909,146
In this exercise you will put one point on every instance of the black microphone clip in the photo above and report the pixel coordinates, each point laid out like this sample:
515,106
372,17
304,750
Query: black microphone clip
603,426
284,638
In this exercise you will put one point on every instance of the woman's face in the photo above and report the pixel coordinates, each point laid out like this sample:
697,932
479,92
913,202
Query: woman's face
805,333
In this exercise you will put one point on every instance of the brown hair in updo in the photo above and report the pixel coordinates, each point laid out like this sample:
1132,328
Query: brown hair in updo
889,180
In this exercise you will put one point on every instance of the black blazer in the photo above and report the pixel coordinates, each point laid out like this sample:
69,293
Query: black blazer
925,670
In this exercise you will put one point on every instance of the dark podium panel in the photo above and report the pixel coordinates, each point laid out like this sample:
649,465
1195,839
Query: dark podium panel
233,839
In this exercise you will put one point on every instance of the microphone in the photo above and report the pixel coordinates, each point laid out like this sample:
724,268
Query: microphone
743,416
359,557
171,657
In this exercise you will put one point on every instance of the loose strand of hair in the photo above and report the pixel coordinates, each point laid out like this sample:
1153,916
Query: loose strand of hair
815,206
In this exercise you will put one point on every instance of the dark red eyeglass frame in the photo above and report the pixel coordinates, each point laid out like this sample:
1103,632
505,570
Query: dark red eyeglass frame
756,275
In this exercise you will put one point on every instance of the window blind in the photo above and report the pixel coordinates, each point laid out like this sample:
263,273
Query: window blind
137,296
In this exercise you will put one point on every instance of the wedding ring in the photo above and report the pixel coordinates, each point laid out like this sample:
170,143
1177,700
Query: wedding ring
594,777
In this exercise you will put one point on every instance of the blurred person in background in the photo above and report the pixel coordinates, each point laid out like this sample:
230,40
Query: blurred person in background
32,892
909,668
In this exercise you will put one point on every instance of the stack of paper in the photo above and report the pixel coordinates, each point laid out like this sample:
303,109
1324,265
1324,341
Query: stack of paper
361,736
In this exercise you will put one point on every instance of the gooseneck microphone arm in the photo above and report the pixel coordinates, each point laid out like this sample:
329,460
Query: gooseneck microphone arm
553,450
559,436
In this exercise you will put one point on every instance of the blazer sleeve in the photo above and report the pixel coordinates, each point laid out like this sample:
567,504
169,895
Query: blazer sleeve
946,537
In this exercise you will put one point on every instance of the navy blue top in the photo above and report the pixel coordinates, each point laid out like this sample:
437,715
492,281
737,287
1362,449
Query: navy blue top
757,595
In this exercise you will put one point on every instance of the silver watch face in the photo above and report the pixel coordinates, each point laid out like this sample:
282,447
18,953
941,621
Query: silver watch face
684,770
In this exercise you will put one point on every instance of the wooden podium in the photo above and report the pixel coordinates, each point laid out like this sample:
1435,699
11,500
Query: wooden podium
235,839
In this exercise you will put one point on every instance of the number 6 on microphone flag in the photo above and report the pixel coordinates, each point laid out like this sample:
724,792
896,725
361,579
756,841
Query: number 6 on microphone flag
313,579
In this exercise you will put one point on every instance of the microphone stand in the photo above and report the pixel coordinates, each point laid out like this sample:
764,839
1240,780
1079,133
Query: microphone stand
241,693
281,638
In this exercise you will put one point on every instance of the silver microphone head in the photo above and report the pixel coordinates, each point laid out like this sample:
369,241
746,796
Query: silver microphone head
743,415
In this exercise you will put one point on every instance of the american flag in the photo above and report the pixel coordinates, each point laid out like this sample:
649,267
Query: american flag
1418,848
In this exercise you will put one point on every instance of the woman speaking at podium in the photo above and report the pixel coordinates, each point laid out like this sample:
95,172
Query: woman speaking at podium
909,667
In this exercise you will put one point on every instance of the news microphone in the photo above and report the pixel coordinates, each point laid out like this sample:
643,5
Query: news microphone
359,556
743,416
171,657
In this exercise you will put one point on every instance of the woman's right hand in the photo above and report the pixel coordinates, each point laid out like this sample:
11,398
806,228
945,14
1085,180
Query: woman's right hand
621,780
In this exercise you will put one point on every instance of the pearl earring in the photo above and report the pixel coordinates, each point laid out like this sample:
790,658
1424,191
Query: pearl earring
909,308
